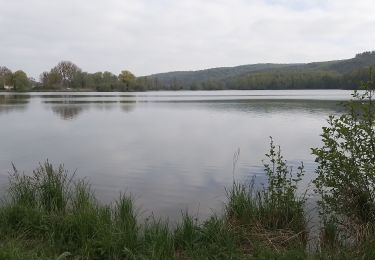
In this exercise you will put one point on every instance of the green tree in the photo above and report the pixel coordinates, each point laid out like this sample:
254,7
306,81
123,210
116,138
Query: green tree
20,81
346,161
127,78
50,79
5,76
79,80
109,81
66,71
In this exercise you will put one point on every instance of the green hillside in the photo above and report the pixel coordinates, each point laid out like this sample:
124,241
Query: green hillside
329,74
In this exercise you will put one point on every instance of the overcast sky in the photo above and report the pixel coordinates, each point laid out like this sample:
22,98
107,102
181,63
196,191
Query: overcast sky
150,36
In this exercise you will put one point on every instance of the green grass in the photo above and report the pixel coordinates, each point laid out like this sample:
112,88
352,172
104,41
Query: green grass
50,214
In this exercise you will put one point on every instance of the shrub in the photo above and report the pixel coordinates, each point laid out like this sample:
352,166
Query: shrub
276,210
346,162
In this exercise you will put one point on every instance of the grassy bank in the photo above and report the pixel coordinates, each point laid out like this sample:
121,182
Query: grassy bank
50,214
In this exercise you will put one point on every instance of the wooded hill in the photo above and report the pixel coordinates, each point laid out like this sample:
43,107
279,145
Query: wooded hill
316,75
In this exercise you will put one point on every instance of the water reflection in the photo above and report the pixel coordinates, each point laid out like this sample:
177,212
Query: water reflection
127,107
10,103
267,106
78,101
67,112
173,151
70,109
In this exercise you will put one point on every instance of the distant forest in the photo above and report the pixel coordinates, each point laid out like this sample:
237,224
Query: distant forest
338,74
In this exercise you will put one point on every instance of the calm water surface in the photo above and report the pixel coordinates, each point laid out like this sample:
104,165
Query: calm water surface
172,150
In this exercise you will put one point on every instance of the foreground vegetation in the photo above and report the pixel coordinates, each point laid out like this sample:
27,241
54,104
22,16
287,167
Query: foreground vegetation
50,214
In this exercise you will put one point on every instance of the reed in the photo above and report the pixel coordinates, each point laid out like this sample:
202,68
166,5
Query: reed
51,214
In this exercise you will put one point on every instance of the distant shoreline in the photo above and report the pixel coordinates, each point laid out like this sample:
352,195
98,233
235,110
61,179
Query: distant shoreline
160,90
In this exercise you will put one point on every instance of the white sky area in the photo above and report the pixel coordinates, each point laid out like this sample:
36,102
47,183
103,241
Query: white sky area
151,36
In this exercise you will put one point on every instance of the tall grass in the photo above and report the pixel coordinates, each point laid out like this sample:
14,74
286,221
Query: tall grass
52,207
51,214
59,213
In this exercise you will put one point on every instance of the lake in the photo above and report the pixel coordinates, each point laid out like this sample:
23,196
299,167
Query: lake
172,150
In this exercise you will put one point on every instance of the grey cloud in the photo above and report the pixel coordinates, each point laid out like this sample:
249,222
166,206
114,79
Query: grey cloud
148,36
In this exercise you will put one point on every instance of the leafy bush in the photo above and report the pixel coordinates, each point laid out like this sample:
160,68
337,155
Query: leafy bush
276,211
281,193
346,161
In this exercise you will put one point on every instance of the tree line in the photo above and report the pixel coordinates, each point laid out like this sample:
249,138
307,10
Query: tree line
344,74
68,76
